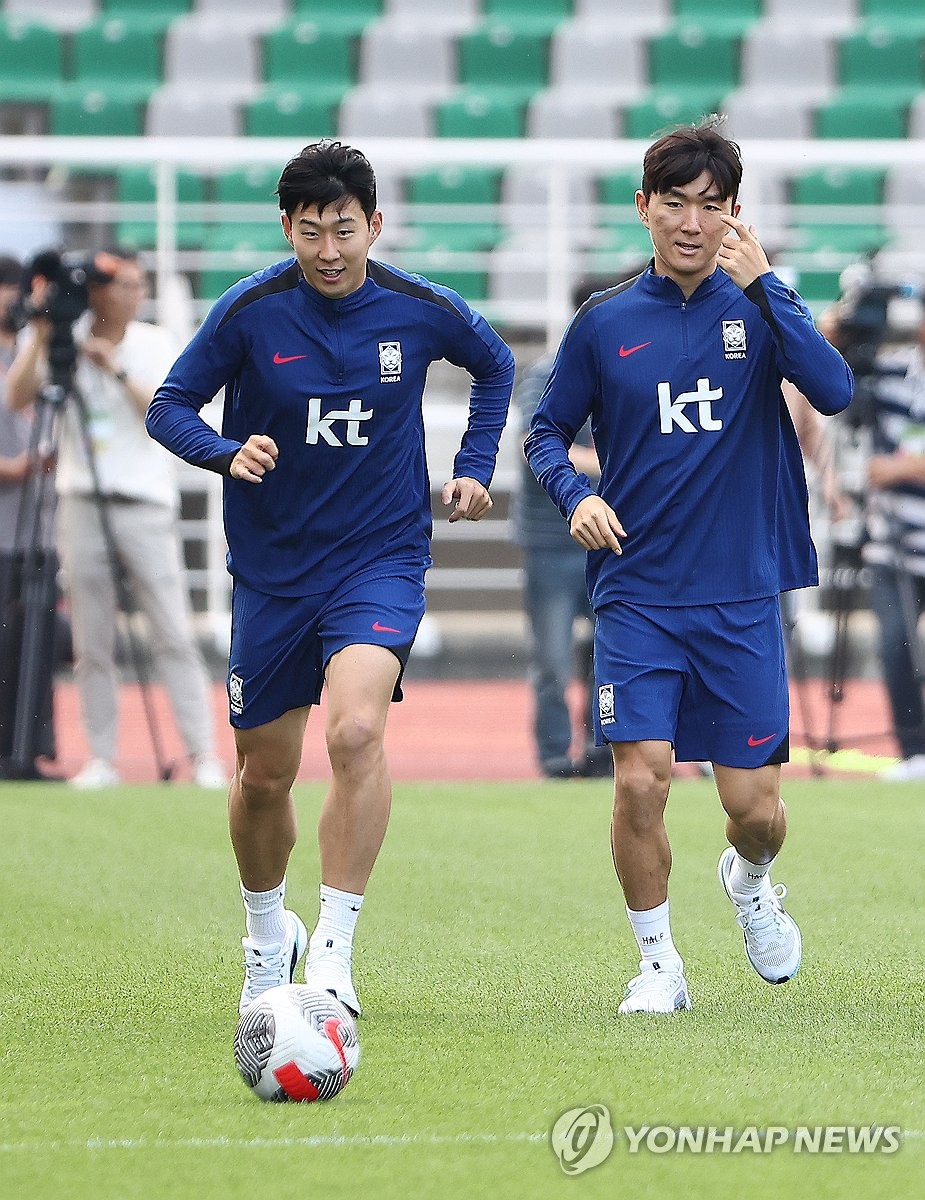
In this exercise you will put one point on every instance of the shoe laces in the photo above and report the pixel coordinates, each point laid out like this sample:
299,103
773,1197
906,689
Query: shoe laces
763,915
265,966
654,981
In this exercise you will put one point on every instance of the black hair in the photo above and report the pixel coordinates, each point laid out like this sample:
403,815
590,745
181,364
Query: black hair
324,173
685,153
10,269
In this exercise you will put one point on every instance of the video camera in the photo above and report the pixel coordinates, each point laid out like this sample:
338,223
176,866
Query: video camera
66,297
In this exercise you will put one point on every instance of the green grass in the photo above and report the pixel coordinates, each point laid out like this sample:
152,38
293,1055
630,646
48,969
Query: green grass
491,957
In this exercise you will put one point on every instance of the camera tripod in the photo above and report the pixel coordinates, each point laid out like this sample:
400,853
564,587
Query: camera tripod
33,587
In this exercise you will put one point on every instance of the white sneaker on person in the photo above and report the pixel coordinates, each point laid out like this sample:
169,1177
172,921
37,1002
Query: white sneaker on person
907,770
657,990
772,938
272,965
97,773
328,969
209,773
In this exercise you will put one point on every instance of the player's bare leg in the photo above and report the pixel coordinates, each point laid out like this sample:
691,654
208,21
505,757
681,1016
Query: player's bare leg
756,824
262,821
642,858
355,813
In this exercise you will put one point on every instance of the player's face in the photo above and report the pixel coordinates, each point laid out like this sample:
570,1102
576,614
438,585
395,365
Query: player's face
332,246
686,229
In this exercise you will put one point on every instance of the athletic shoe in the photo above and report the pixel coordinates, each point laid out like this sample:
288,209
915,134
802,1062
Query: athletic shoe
329,970
209,773
657,990
907,770
772,937
269,966
97,773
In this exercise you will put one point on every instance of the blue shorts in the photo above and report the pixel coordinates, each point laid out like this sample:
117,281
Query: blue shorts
711,679
281,645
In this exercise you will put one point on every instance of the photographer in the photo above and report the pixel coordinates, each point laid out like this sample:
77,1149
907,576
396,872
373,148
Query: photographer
105,458
891,384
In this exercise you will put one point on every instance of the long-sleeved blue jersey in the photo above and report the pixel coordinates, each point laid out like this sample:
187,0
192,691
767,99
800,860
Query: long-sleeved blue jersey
699,457
338,385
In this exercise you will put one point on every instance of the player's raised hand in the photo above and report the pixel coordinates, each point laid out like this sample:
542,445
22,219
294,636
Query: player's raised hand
741,255
596,526
257,456
472,499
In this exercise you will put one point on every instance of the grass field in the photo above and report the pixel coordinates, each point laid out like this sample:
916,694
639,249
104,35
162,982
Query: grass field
491,956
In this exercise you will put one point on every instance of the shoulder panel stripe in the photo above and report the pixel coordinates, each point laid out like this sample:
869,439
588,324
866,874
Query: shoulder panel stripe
385,278
283,282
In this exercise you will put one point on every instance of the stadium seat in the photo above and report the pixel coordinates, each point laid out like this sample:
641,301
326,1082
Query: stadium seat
460,16
837,211
245,14
136,185
94,112
118,56
63,15
535,16
153,15
828,242
881,63
344,16
375,111
669,106
247,185
620,233
834,16
448,265
839,186
180,110
31,62
480,114
853,117
816,285
209,54
290,112
752,114
248,248
302,55
899,15
787,64
582,56
692,55
719,16
653,17
525,198
500,59
471,223
573,113
400,54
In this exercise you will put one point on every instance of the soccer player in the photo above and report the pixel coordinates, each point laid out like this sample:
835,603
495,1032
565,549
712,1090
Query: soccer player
323,358
699,523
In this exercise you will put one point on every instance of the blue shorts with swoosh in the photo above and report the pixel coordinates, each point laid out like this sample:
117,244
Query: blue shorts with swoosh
711,679
281,645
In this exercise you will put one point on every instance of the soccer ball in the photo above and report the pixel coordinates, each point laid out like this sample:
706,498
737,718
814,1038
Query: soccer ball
296,1043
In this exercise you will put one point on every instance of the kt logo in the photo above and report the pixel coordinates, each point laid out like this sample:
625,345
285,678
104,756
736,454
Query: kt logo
671,412
319,427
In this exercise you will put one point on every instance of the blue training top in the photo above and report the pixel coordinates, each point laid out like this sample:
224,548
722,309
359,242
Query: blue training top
338,385
699,457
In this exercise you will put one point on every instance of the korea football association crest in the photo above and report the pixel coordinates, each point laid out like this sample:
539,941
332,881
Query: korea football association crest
605,704
734,339
389,362
236,694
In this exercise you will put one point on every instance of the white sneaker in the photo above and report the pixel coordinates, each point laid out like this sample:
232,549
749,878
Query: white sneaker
272,965
772,937
907,770
97,773
209,773
328,969
657,990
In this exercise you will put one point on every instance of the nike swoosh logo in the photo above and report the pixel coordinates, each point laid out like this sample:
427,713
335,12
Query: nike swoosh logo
625,351
377,628
753,741
278,358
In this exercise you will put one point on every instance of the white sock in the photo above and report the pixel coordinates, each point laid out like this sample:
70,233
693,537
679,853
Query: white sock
746,879
265,914
337,919
652,927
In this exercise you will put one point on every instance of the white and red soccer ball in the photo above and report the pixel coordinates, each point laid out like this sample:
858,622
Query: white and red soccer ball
295,1043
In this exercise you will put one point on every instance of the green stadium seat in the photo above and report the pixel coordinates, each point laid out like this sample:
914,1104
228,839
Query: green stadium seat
899,15
438,262
152,16
829,240
31,62
839,185
618,189
533,16
117,56
248,185
302,55
249,247
819,285
881,63
95,112
662,107
498,58
136,185
343,16
718,15
622,244
474,113
692,55
850,116
474,191
290,112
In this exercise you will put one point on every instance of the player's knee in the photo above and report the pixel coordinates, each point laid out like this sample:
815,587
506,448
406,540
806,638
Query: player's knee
353,737
264,783
639,796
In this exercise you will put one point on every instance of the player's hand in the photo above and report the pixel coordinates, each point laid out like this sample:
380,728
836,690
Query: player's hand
741,255
472,499
596,526
257,456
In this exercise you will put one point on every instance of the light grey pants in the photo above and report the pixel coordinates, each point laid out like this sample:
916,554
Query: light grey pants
149,550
